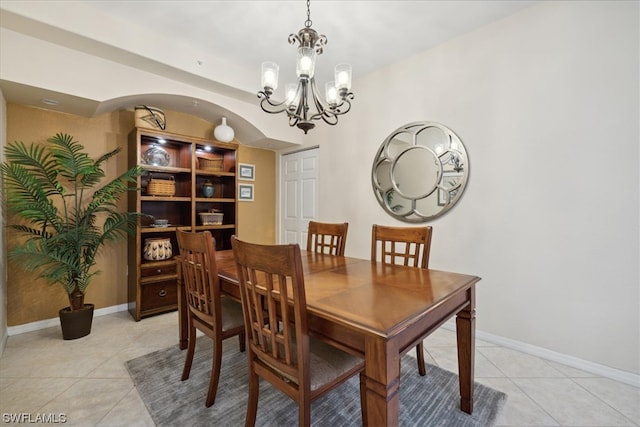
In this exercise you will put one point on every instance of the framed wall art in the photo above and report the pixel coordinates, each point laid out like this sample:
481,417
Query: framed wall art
246,172
245,192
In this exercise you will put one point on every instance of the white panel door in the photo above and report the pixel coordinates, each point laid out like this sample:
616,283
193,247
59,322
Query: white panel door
299,195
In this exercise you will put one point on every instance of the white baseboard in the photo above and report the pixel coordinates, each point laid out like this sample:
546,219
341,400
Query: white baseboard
3,341
565,359
42,324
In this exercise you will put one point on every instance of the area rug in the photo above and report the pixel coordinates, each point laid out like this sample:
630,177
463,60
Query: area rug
424,401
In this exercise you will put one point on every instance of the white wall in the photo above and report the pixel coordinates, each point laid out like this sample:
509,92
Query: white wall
546,102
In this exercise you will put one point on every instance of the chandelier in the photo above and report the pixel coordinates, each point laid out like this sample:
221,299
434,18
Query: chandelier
300,97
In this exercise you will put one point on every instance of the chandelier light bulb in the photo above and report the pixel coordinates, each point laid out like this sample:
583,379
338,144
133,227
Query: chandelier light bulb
270,75
343,79
305,65
331,93
306,62
290,95
269,79
343,76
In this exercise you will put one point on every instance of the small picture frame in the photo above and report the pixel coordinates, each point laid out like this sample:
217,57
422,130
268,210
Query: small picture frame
245,192
246,172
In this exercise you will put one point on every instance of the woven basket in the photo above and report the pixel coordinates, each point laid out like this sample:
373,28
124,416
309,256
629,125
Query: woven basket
161,187
211,218
211,164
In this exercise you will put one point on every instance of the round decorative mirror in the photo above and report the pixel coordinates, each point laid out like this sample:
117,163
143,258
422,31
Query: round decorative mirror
420,171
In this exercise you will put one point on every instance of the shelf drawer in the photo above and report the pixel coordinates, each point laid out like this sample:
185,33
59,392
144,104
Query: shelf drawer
159,294
158,270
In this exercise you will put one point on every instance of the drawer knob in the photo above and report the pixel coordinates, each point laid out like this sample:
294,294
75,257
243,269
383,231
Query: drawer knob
158,271
162,293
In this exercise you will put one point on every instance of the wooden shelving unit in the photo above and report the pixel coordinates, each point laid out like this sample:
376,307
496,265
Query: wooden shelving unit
152,284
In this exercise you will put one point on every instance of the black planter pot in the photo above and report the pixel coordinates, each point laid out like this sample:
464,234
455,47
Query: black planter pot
77,323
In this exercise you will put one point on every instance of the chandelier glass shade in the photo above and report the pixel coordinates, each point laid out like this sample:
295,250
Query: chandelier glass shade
303,103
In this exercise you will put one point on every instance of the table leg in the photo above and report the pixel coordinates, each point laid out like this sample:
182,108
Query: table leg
382,382
465,329
183,337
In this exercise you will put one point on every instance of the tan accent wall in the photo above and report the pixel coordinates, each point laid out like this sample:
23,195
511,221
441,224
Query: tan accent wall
30,300
257,219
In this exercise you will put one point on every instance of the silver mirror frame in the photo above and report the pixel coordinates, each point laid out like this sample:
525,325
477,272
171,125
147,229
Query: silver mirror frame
431,160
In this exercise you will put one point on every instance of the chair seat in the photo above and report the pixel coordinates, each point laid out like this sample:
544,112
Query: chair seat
231,314
328,363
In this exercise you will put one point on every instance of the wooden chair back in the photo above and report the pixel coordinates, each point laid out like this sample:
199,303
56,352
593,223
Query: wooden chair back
217,317
199,275
408,246
280,349
329,238
271,276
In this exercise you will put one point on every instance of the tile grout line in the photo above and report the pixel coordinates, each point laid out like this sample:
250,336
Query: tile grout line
542,408
124,396
507,377
57,395
573,379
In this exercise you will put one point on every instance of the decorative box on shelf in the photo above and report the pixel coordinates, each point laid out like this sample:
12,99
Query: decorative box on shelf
211,218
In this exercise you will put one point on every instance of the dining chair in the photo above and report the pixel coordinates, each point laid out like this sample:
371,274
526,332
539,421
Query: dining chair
218,317
408,246
329,238
280,349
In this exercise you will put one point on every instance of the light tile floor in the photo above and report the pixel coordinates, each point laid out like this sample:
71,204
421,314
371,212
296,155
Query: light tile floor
86,381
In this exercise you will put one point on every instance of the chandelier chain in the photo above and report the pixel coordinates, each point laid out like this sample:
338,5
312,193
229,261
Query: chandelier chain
308,22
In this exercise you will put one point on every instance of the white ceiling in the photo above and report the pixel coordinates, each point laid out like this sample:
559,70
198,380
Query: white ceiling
367,34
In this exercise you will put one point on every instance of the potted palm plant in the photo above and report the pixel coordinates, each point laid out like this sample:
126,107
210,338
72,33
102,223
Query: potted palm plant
67,216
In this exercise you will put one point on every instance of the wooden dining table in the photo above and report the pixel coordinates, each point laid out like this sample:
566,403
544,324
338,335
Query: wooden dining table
376,311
